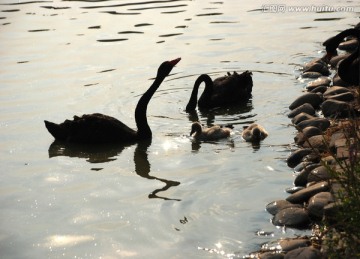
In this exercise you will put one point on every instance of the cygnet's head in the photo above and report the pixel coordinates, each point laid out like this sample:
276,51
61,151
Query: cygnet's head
196,128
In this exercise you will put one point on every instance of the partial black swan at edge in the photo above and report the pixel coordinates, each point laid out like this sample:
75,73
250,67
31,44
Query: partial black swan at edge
99,128
348,68
230,89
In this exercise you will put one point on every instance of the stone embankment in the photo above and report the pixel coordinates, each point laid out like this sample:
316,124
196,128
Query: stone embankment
322,115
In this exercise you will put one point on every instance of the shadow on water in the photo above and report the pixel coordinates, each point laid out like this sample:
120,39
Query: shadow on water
234,114
107,153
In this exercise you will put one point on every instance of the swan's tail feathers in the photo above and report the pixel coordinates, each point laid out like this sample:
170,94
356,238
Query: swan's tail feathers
56,130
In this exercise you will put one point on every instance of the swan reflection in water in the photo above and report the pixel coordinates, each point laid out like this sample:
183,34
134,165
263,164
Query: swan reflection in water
108,152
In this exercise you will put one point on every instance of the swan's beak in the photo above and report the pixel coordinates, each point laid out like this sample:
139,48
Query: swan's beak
175,61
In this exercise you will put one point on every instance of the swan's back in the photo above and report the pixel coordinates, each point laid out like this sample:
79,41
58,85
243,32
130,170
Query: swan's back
212,133
254,132
232,88
91,128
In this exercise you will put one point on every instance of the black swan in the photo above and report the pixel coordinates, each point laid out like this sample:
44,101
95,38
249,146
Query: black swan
349,67
230,89
254,133
99,128
212,133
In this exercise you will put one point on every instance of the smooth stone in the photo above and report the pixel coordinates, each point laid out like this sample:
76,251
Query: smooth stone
304,252
311,74
271,255
318,66
320,89
318,142
335,60
306,133
276,206
317,204
348,45
338,81
318,174
305,108
336,90
345,97
301,117
294,243
305,194
320,123
297,156
312,98
294,189
302,178
292,217
321,81
303,165
334,108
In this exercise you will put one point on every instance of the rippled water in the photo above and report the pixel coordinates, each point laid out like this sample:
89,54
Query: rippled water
171,197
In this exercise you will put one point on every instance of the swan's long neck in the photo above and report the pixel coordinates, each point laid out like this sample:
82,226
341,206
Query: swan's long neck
144,130
194,94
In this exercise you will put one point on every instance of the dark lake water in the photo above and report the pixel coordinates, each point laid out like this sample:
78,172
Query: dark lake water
170,198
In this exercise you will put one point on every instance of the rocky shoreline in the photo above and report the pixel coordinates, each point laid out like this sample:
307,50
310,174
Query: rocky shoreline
324,116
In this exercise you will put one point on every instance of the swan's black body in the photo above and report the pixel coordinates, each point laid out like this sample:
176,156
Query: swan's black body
100,128
349,67
230,89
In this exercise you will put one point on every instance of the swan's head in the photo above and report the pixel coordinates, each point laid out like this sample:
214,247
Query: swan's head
166,67
196,128
257,135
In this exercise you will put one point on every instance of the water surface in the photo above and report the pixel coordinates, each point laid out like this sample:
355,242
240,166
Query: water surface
169,197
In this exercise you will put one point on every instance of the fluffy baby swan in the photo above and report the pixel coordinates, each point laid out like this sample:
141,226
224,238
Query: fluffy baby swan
254,133
212,133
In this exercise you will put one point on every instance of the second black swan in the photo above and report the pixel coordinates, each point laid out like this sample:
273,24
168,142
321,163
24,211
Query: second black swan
230,89
100,128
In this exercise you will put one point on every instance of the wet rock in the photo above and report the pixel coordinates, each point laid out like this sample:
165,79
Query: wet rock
302,178
320,123
334,108
345,97
311,74
301,117
304,252
312,157
305,108
297,156
276,206
318,142
271,255
306,133
294,189
336,90
317,204
312,98
317,65
294,243
321,81
292,217
318,174
304,195
304,165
